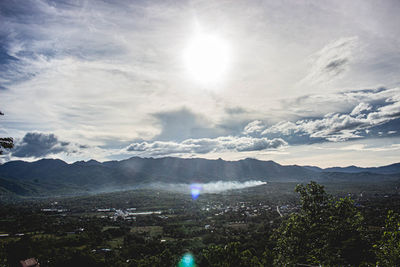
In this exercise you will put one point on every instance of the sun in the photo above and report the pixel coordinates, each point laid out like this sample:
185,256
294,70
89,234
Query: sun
206,58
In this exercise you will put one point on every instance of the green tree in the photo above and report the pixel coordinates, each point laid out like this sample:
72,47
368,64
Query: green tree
166,258
5,142
229,255
325,231
388,248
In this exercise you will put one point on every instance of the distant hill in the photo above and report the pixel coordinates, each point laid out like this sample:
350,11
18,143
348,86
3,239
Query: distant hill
388,169
55,177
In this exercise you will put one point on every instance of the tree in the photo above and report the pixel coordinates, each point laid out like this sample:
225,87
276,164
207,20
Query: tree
388,248
5,142
229,255
325,231
166,258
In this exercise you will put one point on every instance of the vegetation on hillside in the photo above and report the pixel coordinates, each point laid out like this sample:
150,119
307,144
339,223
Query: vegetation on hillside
238,228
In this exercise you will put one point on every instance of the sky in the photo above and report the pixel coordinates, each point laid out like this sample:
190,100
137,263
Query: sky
297,82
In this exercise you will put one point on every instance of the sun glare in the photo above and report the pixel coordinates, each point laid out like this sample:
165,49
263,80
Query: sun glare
206,58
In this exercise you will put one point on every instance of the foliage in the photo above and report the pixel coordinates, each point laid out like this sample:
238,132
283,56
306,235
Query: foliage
388,248
243,229
325,231
165,259
228,255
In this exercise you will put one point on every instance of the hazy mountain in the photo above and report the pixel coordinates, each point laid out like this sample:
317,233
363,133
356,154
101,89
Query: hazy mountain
53,176
388,169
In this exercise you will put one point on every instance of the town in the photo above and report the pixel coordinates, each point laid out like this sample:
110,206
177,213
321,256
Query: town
122,226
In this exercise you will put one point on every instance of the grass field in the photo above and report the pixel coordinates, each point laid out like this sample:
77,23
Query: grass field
150,230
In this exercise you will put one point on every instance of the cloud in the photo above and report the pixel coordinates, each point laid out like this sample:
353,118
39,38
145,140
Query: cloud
336,65
37,145
235,110
102,73
318,105
181,124
359,122
254,127
363,147
360,108
331,61
206,145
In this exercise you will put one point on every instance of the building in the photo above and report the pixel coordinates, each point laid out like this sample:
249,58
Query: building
32,262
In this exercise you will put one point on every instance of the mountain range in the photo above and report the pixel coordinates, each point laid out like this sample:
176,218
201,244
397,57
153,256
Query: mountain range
48,177
388,169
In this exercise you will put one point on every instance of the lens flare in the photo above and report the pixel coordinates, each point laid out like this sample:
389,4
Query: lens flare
195,190
187,261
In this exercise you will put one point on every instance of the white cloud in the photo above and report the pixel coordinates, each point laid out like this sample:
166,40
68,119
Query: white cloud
254,127
366,148
360,108
343,126
205,145
331,61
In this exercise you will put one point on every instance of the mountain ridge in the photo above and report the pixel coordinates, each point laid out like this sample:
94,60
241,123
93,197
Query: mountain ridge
54,175
386,169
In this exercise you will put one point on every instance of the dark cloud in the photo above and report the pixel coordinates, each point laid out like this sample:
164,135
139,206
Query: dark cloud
235,110
365,91
26,38
6,63
389,129
182,124
336,64
39,145
12,9
5,58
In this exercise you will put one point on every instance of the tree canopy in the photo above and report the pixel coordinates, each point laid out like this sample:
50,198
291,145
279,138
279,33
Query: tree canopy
388,248
5,142
325,232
